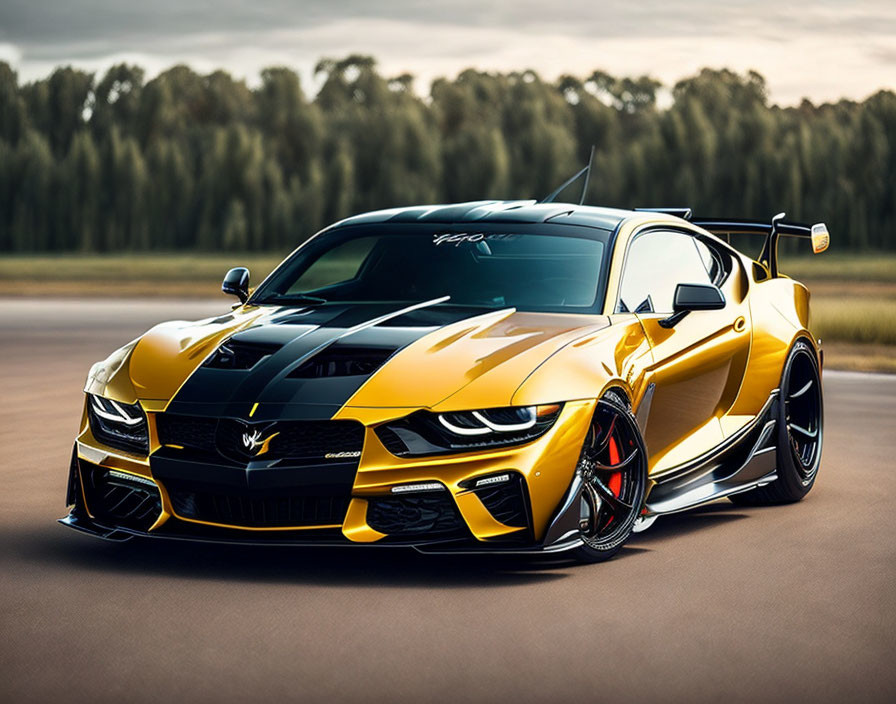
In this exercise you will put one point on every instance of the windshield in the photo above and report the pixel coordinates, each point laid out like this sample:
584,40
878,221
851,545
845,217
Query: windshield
530,271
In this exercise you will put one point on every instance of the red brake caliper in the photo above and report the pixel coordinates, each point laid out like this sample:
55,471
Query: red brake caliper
615,483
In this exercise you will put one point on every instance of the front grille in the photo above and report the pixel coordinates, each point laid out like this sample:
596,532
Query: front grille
432,515
300,442
315,440
321,506
312,489
129,503
186,431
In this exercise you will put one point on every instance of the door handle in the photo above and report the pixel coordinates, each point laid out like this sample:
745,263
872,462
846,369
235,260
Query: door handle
740,324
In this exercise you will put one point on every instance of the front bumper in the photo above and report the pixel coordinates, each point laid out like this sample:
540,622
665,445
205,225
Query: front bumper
116,497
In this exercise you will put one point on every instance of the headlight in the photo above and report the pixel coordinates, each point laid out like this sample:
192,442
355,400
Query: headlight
425,433
118,425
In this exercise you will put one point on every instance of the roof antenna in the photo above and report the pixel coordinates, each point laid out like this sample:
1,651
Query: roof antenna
586,171
587,176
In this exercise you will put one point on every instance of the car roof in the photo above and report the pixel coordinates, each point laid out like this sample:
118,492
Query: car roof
497,211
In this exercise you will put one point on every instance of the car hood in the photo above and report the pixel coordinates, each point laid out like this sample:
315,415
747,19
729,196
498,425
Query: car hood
274,362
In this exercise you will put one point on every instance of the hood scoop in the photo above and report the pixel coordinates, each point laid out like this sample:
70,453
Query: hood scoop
342,360
235,354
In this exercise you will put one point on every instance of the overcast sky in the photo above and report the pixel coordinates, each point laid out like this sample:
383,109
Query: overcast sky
822,50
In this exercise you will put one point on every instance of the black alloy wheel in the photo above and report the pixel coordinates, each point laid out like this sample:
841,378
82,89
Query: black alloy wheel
613,472
800,430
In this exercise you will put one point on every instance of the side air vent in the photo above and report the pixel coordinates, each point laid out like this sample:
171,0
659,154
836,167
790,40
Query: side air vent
506,500
391,441
342,361
120,498
240,355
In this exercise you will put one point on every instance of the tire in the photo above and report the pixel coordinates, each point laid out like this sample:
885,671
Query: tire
613,469
800,430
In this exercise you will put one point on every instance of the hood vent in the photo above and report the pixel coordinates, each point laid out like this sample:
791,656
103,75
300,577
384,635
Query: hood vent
240,355
342,361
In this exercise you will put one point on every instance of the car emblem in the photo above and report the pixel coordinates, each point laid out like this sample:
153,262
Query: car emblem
254,440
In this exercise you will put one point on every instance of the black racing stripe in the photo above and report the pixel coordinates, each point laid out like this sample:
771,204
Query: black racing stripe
233,392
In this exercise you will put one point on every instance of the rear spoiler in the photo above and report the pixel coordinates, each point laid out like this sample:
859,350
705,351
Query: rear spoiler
817,234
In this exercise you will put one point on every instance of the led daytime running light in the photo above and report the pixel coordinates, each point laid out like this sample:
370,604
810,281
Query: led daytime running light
413,488
120,417
508,427
497,479
456,429
489,426
115,474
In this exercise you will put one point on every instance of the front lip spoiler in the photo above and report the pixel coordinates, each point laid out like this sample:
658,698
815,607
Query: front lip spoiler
570,544
117,535
91,527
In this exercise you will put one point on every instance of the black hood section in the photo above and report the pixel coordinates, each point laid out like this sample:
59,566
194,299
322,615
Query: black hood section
305,363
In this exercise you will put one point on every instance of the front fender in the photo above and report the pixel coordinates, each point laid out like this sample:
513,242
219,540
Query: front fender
616,356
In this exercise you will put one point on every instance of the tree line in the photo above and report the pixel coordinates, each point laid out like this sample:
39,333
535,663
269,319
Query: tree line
204,162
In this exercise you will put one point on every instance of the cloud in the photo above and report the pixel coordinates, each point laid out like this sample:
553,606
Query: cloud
10,53
824,49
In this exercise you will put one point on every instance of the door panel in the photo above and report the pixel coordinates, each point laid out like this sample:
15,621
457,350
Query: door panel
698,367
698,364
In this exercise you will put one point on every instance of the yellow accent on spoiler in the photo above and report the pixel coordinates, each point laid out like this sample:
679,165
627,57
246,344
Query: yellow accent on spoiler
820,238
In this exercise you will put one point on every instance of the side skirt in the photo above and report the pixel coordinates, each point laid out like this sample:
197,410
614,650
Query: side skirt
743,462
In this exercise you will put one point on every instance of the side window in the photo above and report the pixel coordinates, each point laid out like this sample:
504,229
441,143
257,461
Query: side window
710,260
656,262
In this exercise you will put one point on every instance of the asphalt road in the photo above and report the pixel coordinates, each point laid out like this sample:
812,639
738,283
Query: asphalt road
794,603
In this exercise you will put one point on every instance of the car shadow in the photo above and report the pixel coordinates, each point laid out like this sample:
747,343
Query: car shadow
322,566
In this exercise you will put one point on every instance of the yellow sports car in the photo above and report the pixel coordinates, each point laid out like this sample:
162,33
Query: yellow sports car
488,376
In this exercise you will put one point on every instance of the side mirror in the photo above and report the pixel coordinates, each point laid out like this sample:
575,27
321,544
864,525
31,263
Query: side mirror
690,297
236,283
697,297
